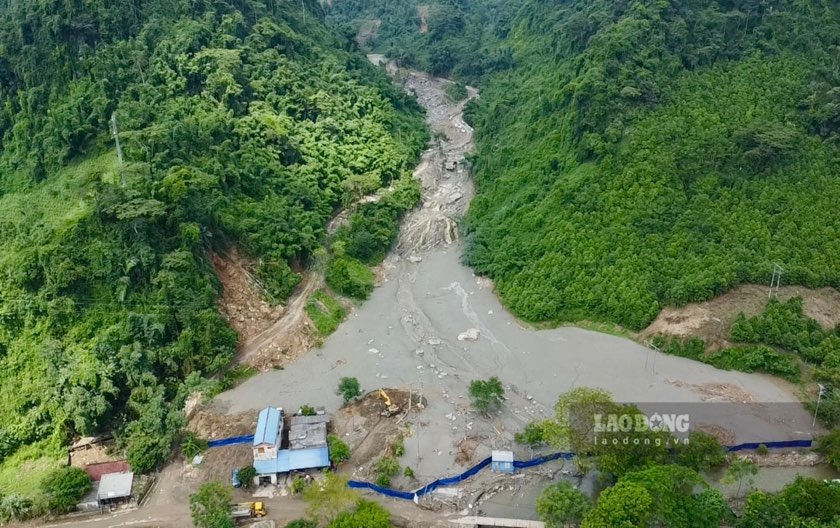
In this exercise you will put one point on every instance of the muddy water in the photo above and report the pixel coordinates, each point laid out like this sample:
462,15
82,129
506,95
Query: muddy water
407,335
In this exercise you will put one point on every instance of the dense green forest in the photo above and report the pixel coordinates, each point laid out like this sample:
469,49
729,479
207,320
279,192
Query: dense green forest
635,154
461,38
647,153
240,122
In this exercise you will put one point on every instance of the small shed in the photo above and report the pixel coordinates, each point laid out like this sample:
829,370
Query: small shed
502,461
115,487
269,433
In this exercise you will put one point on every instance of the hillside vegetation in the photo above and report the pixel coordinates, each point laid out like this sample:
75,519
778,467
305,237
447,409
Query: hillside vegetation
462,38
648,153
241,122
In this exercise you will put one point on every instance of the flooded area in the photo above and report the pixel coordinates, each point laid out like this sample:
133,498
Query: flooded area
433,326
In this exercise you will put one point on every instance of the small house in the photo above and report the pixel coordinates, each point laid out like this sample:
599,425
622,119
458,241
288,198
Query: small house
114,488
268,434
307,445
502,461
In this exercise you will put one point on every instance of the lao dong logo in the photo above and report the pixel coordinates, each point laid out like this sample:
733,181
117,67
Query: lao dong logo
620,428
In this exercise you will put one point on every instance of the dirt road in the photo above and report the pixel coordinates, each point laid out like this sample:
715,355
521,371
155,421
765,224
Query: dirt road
411,333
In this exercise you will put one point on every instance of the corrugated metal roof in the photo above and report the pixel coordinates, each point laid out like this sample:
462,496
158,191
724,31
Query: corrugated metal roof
300,420
290,460
317,457
103,468
268,426
502,456
115,486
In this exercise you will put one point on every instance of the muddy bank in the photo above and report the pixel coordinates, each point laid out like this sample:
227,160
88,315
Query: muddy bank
433,327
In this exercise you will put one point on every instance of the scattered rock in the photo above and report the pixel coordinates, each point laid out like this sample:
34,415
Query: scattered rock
469,335
434,341
454,197
419,351
415,259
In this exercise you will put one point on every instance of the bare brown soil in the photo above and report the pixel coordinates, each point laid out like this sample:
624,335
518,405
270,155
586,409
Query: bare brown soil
95,454
368,31
716,392
241,303
423,13
211,425
712,320
369,434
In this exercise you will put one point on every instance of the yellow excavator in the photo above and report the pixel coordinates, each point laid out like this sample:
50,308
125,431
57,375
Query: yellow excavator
390,408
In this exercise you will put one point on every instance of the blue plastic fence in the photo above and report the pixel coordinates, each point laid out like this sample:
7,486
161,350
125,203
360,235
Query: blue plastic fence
449,481
247,439
428,488
772,445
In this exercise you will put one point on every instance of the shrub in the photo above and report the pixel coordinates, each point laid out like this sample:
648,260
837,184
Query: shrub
210,506
487,396
339,452
247,474
751,359
349,388
302,523
16,507
366,515
701,453
387,466
829,446
383,481
64,487
532,435
456,92
408,472
350,277
307,410
298,484
399,447
561,504
192,445
762,450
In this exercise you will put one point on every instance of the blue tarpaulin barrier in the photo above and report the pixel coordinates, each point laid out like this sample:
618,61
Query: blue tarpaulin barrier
450,481
429,488
772,445
247,439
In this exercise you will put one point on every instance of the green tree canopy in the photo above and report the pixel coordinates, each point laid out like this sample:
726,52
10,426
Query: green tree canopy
64,487
210,506
487,395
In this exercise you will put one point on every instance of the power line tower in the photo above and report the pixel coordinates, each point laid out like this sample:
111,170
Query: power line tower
775,280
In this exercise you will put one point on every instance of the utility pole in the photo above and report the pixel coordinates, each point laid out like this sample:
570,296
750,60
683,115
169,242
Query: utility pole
116,135
817,408
775,280
419,399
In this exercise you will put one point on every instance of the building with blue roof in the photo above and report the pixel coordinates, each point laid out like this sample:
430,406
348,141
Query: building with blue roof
307,441
269,434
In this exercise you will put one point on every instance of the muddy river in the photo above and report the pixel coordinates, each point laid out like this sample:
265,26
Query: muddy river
434,326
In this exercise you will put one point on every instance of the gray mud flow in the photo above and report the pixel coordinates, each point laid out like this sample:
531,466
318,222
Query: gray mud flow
416,332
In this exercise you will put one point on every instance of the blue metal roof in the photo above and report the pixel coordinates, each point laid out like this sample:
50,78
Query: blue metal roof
316,457
268,426
294,459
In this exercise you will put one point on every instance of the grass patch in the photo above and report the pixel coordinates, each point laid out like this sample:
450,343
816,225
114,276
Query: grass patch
236,375
741,358
457,92
24,471
326,312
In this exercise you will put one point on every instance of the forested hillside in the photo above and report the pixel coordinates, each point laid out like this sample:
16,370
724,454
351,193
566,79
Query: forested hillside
464,38
240,122
645,153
